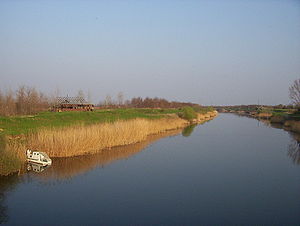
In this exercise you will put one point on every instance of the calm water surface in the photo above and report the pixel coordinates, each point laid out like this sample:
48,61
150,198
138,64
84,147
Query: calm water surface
230,171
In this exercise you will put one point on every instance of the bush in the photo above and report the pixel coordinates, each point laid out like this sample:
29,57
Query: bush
203,110
188,113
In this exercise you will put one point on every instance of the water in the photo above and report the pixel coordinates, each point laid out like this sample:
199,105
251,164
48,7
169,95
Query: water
230,171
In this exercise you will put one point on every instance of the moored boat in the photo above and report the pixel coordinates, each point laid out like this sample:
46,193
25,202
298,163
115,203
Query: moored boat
38,157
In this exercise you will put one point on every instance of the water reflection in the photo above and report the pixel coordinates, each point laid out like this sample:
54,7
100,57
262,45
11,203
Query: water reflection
37,168
7,183
64,168
294,148
188,130
208,178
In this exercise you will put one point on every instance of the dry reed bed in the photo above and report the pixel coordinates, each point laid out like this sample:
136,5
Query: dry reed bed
64,168
12,156
206,116
86,139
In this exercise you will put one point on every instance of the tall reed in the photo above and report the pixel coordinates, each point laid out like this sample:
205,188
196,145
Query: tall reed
12,156
64,168
84,139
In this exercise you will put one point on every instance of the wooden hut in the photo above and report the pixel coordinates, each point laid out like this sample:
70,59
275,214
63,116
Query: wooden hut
72,104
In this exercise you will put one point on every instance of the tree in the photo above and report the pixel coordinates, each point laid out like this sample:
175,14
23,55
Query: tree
81,95
89,98
21,100
2,103
295,93
10,105
108,100
120,98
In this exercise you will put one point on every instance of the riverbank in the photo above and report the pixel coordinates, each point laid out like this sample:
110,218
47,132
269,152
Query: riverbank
89,139
64,168
22,125
288,118
236,154
88,135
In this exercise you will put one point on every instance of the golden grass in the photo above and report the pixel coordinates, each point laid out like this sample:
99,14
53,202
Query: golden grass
65,168
295,126
206,116
12,156
84,139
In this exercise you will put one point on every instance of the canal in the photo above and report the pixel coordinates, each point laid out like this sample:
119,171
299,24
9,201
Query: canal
229,171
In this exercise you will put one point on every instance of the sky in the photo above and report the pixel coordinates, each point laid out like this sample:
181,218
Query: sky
207,52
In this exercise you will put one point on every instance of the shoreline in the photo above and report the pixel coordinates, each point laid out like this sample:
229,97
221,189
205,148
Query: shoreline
287,123
89,139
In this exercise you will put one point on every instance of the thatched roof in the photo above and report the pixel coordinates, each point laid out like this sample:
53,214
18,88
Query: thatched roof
71,100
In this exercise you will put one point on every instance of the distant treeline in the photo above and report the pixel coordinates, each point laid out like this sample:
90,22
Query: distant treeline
139,102
27,100
23,101
254,107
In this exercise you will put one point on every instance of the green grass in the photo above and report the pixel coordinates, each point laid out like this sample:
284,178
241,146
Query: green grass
287,113
203,110
24,124
188,113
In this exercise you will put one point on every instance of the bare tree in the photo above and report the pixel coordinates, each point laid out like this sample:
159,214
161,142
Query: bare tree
10,105
108,100
23,101
89,96
81,95
2,103
32,101
295,93
20,100
120,98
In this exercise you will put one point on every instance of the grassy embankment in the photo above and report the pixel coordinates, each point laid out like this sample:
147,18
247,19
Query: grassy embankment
289,118
76,133
69,167
18,125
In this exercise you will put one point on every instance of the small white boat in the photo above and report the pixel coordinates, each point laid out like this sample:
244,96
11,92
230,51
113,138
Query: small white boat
38,157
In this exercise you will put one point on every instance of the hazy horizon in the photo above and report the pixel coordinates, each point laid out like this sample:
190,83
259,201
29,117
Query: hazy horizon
206,52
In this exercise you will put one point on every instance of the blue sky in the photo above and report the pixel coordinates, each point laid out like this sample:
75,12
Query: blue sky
208,52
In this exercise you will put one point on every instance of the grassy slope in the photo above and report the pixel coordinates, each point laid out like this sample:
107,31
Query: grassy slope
10,160
23,124
287,113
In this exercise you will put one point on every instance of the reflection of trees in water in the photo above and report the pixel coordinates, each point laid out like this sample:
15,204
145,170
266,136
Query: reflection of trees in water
7,183
188,130
294,148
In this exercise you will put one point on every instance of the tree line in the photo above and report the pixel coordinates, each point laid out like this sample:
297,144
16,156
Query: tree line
139,102
27,100
23,101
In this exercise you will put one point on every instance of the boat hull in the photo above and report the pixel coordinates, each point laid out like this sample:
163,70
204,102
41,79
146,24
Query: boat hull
38,162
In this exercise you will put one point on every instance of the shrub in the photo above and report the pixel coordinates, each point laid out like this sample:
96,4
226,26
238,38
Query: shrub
188,113
203,110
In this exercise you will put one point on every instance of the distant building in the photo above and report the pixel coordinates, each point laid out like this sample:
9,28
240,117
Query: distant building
72,104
